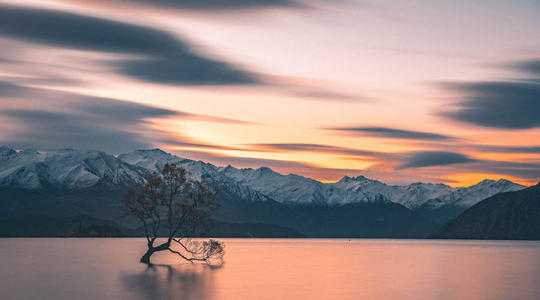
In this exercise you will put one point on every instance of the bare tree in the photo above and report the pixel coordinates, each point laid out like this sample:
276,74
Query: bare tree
172,206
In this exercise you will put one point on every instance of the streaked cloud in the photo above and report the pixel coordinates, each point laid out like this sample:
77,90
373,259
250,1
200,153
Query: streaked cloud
508,149
387,132
433,158
221,4
299,147
305,169
66,119
158,56
512,104
505,105
531,66
528,170
289,68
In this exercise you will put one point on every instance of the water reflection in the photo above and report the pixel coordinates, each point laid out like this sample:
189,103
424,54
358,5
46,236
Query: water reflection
162,281
273,269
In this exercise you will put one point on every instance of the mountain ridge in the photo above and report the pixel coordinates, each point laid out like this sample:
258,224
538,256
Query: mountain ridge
508,215
69,182
72,170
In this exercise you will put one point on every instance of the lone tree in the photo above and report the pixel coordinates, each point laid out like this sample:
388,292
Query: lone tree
174,207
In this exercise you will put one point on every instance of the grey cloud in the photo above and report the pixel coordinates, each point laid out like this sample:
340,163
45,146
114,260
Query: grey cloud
433,158
281,166
319,148
394,133
242,161
529,170
505,105
222,4
84,122
313,93
512,104
524,170
163,58
54,130
311,171
72,120
531,66
508,149
185,69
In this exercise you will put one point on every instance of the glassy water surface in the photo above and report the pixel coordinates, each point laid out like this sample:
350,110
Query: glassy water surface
273,269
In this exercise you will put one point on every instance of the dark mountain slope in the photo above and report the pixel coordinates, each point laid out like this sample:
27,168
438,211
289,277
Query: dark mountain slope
379,219
98,201
86,226
511,215
46,226
440,215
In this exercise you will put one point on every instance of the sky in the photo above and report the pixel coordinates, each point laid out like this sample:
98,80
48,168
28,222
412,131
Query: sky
399,91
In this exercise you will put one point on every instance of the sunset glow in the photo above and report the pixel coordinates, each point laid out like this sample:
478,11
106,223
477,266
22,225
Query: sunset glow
385,89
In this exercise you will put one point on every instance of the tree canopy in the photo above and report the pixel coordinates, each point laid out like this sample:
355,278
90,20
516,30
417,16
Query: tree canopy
174,207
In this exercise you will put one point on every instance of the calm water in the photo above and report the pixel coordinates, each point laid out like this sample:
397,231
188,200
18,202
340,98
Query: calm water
273,269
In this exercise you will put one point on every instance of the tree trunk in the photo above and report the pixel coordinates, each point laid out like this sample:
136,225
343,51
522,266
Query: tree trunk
151,249
146,257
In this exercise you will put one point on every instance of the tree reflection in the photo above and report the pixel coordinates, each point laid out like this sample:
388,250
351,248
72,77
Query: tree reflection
160,281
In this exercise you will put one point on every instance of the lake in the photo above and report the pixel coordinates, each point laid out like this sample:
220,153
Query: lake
273,269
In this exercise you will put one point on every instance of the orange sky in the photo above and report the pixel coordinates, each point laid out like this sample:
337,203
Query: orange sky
395,91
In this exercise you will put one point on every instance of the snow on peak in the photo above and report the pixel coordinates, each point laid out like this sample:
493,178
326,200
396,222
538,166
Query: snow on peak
347,179
67,169
73,169
469,196
153,159
6,153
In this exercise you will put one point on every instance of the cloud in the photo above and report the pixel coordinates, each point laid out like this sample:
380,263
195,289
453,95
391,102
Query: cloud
504,105
305,169
73,120
222,4
300,147
529,170
54,130
326,95
282,166
212,119
433,158
394,133
157,55
508,149
531,66
499,104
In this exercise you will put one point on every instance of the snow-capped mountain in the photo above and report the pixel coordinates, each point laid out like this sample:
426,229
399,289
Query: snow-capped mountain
295,189
469,196
71,169
289,189
418,194
152,160
68,169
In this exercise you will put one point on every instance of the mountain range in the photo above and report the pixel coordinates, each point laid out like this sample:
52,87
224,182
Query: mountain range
69,182
510,215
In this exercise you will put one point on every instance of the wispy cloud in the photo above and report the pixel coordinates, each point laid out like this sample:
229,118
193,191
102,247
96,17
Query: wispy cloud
221,4
305,169
157,55
508,149
433,158
67,119
499,104
299,147
387,132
